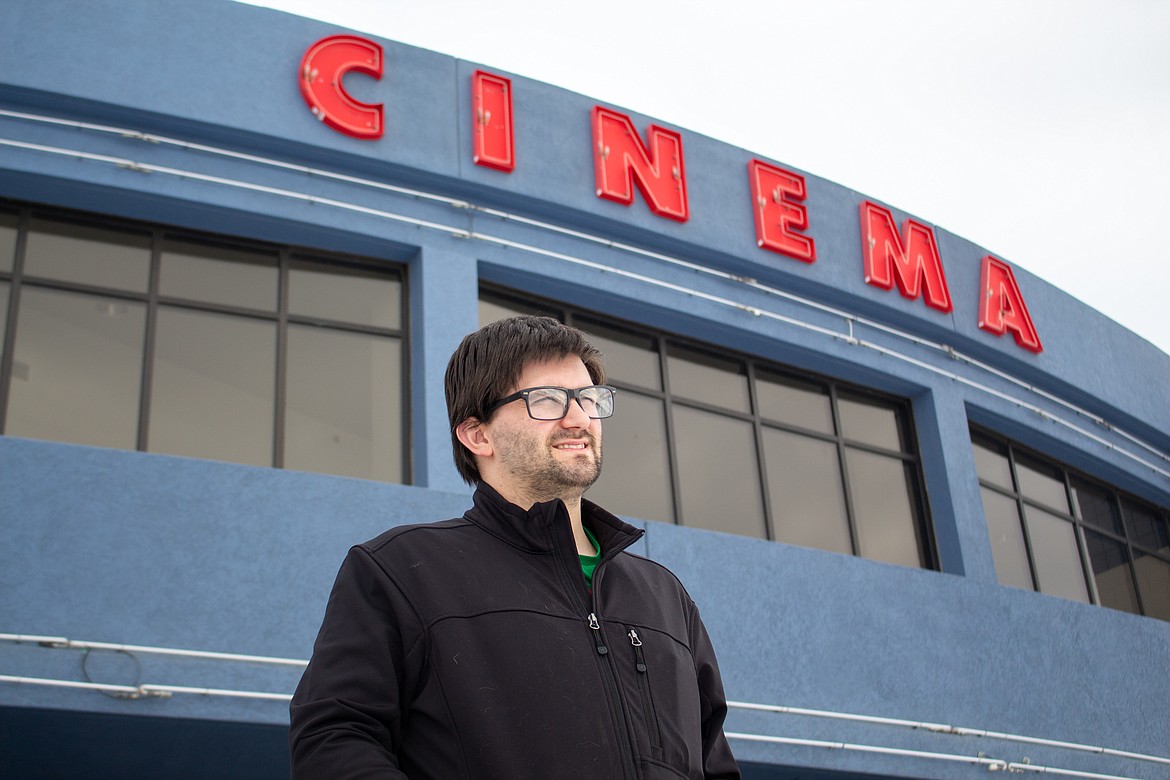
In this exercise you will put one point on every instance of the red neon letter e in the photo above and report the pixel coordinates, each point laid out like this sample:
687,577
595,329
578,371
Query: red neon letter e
620,160
322,68
911,260
1001,307
774,195
491,121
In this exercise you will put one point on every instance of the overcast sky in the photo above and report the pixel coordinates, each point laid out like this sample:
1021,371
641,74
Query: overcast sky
1038,129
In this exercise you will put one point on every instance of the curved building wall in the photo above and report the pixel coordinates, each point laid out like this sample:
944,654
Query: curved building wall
189,116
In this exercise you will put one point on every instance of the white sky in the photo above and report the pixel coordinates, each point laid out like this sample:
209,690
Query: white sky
1038,129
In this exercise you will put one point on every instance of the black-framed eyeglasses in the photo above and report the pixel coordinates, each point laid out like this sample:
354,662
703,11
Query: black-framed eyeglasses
552,403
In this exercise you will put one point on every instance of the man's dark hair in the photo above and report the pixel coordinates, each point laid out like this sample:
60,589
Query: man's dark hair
488,363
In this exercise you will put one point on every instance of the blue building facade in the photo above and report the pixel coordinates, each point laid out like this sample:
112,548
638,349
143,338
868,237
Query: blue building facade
995,594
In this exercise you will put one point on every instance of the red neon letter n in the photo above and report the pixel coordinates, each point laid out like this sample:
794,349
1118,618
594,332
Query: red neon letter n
620,160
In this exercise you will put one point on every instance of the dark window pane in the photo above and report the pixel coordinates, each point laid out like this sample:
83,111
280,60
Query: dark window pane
635,479
991,463
1153,576
718,473
5,291
1111,572
883,508
344,294
344,413
794,401
1095,506
805,488
1007,540
8,225
492,309
230,277
629,358
86,255
1042,482
1146,527
703,377
1054,548
870,422
214,380
77,369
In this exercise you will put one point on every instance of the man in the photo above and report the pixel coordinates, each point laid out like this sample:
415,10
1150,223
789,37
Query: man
521,640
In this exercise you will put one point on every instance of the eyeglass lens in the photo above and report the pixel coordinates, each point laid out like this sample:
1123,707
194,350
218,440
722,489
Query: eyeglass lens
552,403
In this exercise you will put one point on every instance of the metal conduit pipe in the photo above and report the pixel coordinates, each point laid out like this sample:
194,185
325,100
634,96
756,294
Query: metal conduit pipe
992,764
60,642
129,691
457,203
188,145
943,728
848,337
851,319
165,691
169,689
1017,766
144,690
422,195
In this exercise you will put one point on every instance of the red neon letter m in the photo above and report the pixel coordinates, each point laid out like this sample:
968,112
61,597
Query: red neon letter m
620,160
911,260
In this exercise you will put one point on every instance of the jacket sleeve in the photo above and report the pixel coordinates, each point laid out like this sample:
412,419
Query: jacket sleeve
718,762
346,717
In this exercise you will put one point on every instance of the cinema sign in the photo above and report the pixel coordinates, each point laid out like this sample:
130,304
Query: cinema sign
906,257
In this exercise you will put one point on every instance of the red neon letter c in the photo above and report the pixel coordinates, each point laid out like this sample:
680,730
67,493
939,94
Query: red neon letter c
322,68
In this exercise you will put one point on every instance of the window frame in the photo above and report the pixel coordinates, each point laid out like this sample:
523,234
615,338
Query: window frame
1073,513
752,365
160,236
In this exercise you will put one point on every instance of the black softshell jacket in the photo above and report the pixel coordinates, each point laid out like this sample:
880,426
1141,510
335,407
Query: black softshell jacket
471,649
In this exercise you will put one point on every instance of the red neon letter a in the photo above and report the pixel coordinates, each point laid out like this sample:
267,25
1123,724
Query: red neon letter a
322,68
1001,307
912,260
620,160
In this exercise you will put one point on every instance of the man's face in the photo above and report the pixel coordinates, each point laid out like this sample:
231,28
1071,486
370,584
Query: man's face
540,460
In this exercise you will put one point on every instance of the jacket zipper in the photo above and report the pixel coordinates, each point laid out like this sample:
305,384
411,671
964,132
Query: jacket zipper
647,699
615,697
623,722
596,626
613,689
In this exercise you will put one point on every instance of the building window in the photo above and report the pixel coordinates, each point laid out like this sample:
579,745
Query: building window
1059,532
713,440
139,337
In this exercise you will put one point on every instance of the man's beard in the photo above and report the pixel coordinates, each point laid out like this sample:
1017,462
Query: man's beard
541,474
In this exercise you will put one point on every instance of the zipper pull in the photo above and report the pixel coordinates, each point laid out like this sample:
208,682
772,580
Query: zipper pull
596,626
640,660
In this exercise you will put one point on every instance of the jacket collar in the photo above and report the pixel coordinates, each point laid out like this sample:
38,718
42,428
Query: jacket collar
546,525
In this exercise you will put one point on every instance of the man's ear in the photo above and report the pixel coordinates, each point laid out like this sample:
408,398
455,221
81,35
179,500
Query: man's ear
473,435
